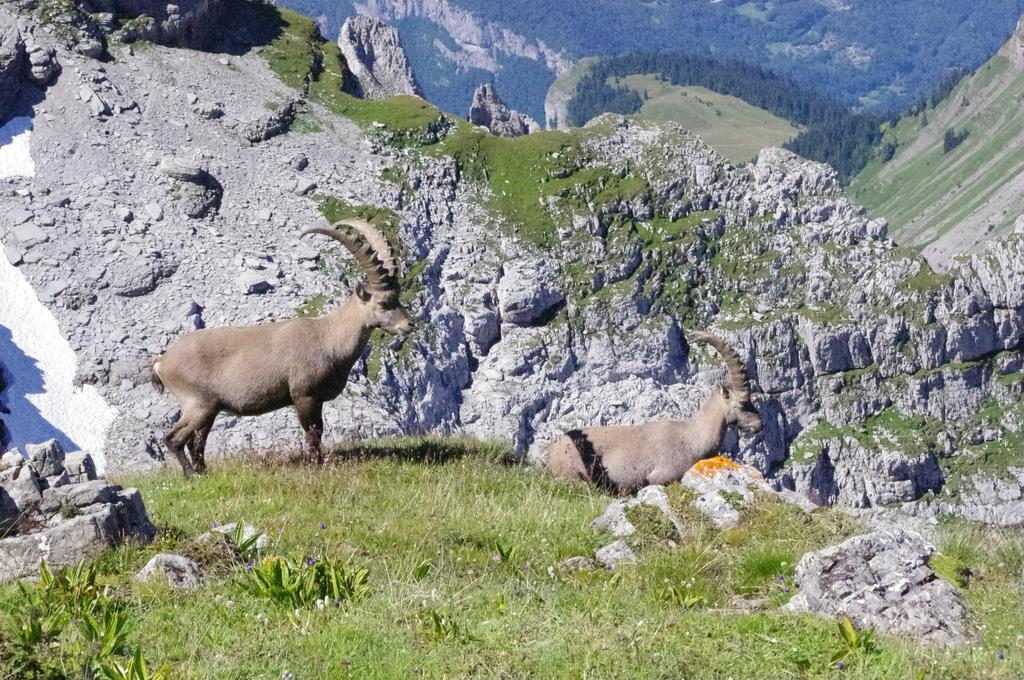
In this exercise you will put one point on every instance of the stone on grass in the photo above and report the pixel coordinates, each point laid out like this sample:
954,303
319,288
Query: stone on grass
615,554
178,571
882,579
614,519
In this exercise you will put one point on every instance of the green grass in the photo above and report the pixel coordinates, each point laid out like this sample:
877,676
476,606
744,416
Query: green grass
731,126
924,192
427,517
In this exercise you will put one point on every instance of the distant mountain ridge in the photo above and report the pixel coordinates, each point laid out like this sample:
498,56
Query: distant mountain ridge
869,54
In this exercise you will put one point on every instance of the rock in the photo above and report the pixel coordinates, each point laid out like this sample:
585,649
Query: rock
138,275
183,170
29,235
375,60
18,216
527,292
272,124
882,579
254,283
79,467
248,531
47,459
12,63
178,571
614,519
488,110
578,563
614,554
722,487
154,211
11,458
20,495
67,541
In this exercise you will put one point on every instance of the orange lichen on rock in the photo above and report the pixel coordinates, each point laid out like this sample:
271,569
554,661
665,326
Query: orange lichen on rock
712,467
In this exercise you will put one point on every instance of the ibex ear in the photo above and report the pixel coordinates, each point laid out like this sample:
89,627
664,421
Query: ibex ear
361,293
726,391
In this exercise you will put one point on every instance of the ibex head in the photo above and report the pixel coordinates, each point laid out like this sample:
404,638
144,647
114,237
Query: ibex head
379,298
735,397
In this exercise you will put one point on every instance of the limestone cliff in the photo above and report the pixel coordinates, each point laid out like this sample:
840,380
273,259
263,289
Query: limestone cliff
375,59
555,277
488,110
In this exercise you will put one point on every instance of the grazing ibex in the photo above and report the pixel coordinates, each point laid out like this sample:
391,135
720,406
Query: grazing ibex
624,459
300,362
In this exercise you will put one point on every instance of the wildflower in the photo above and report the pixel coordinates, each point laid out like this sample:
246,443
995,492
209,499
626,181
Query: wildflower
1001,656
840,665
780,577
310,561
496,558
213,525
346,663
785,590
248,566
323,525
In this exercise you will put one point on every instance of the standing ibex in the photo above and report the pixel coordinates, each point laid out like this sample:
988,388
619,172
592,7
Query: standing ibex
627,458
251,370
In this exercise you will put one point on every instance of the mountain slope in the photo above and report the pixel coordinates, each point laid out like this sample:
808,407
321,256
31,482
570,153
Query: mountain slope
947,200
871,53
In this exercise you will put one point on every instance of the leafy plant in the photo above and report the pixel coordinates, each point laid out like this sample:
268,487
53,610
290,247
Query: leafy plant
441,625
506,553
300,583
684,596
421,570
853,640
135,670
247,547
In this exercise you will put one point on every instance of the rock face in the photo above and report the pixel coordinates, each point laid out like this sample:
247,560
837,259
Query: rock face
53,508
563,302
187,23
488,110
375,59
12,63
882,579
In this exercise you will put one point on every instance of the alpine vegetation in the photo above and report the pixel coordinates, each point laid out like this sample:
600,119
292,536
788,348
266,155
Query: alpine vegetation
300,362
628,458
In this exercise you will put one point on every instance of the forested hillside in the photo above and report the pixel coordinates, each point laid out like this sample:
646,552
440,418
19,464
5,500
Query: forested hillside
872,54
832,133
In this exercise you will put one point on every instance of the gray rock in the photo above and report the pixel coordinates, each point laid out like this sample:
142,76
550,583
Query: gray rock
73,539
882,579
12,62
47,459
29,235
375,60
178,571
487,109
614,519
614,554
139,275
254,283
527,292
272,124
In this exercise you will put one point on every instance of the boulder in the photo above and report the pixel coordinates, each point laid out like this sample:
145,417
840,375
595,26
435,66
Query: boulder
488,110
882,579
723,486
614,519
528,291
178,571
47,458
376,62
614,554
272,124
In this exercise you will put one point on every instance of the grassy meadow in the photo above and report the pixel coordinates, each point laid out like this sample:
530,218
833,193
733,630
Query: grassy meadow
452,567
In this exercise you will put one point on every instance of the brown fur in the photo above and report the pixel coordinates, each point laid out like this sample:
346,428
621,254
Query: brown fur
251,370
660,452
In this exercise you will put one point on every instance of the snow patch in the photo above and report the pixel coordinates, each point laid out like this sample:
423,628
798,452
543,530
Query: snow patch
15,153
39,369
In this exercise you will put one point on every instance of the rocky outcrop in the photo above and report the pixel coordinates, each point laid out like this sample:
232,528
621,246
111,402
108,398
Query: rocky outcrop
12,63
882,579
1014,47
177,571
185,23
488,110
271,124
723,488
54,508
375,59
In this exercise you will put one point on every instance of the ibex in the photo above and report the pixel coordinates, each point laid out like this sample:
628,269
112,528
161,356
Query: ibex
624,459
300,362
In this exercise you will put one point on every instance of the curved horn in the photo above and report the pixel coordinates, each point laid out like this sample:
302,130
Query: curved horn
377,242
737,374
378,277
